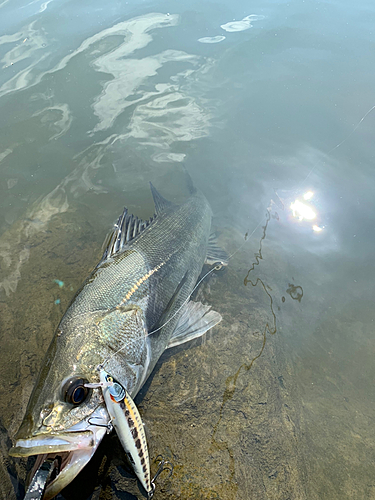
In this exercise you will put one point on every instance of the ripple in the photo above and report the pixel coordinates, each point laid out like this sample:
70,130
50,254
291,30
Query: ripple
242,25
211,39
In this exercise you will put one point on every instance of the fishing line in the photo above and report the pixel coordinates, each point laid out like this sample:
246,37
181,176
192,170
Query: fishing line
339,144
247,237
217,266
214,267
231,381
312,170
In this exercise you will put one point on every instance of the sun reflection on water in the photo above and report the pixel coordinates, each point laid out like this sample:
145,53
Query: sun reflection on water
303,211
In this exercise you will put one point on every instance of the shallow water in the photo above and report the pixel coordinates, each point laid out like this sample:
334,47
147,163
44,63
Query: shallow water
262,105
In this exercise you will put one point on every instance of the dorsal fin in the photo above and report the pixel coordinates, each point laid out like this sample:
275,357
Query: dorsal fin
161,203
128,226
126,229
189,181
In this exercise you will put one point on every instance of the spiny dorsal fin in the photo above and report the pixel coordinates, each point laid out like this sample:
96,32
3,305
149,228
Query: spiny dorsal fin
126,229
161,203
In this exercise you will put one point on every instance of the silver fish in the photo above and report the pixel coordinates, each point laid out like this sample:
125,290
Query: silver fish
133,306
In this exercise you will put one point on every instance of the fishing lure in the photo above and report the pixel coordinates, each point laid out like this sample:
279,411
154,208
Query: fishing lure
128,425
42,476
125,419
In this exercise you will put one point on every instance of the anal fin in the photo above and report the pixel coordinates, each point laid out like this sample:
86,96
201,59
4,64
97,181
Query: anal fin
195,320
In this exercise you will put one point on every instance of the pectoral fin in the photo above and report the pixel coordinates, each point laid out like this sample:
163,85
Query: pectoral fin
196,319
215,253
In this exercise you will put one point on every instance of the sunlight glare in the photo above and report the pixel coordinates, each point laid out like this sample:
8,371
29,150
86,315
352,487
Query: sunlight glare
308,195
302,211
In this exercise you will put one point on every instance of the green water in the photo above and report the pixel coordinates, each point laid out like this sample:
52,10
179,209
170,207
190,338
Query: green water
277,401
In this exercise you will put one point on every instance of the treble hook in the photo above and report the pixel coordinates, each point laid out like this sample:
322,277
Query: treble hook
108,426
162,466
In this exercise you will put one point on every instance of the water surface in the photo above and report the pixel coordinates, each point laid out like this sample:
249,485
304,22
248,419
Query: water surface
270,107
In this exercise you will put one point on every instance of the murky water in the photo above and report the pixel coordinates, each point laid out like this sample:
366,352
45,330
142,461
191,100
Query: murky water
270,108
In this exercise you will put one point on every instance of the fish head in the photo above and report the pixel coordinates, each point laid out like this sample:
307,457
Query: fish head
64,418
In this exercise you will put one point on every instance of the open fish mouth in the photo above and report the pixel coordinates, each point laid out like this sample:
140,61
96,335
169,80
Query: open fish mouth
70,465
73,449
71,462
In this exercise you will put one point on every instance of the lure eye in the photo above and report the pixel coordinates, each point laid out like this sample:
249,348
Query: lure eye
74,391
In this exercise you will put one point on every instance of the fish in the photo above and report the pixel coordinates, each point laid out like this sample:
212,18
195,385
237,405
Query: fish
133,306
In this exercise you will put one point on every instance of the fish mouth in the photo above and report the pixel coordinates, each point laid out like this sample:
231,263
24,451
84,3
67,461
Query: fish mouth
73,449
70,466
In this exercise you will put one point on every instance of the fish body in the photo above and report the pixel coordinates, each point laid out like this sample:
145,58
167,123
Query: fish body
133,306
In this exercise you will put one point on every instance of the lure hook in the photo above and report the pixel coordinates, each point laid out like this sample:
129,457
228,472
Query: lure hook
162,466
108,426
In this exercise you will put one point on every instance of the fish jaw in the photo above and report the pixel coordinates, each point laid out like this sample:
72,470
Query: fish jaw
71,467
75,446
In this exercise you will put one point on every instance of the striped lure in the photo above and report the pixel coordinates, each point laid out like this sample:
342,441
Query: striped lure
128,426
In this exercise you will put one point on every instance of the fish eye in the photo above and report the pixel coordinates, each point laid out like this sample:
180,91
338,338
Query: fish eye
74,391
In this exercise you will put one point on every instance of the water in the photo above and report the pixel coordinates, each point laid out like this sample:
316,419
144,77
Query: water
277,402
